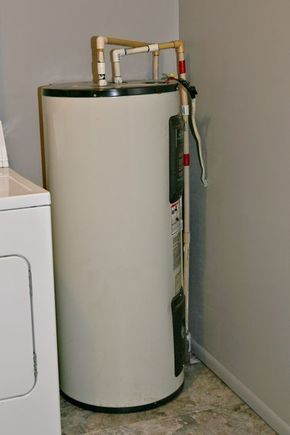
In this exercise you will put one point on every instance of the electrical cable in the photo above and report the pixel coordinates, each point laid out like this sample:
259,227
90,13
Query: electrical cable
191,94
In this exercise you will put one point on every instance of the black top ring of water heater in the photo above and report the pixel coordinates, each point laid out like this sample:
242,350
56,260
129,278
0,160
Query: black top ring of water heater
91,90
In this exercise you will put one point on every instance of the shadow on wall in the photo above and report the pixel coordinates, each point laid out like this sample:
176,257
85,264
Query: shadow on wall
41,136
198,197
198,200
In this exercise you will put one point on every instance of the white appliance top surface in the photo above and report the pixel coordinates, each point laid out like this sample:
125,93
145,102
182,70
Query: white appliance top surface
18,192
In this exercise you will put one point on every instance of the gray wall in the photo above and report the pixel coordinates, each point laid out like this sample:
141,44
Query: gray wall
49,41
240,61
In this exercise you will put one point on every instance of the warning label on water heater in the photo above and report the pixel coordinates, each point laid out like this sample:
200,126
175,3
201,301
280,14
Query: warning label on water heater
176,250
178,282
176,217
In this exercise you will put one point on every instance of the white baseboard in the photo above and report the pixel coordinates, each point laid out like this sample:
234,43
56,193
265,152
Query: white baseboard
241,390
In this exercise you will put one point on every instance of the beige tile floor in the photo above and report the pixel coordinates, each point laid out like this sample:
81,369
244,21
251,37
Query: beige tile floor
206,406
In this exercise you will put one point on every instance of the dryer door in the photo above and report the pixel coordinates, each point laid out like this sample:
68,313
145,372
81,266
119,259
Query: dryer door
17,373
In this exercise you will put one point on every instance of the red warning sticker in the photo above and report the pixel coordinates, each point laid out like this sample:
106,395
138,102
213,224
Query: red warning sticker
186,159
181,67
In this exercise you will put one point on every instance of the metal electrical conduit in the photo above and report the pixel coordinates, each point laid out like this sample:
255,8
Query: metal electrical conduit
135,47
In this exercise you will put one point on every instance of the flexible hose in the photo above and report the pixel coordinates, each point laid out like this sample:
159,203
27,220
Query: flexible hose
191,95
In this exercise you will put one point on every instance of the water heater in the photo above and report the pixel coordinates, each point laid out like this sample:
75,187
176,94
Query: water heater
114,162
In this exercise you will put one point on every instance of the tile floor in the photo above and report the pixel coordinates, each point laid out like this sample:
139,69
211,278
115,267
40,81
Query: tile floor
205,407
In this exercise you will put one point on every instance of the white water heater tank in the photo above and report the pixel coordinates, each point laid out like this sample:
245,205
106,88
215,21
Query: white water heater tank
117,241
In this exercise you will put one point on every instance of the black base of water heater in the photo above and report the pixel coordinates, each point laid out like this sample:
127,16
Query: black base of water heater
125,410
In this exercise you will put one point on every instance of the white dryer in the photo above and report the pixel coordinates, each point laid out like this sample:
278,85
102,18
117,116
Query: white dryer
29,399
